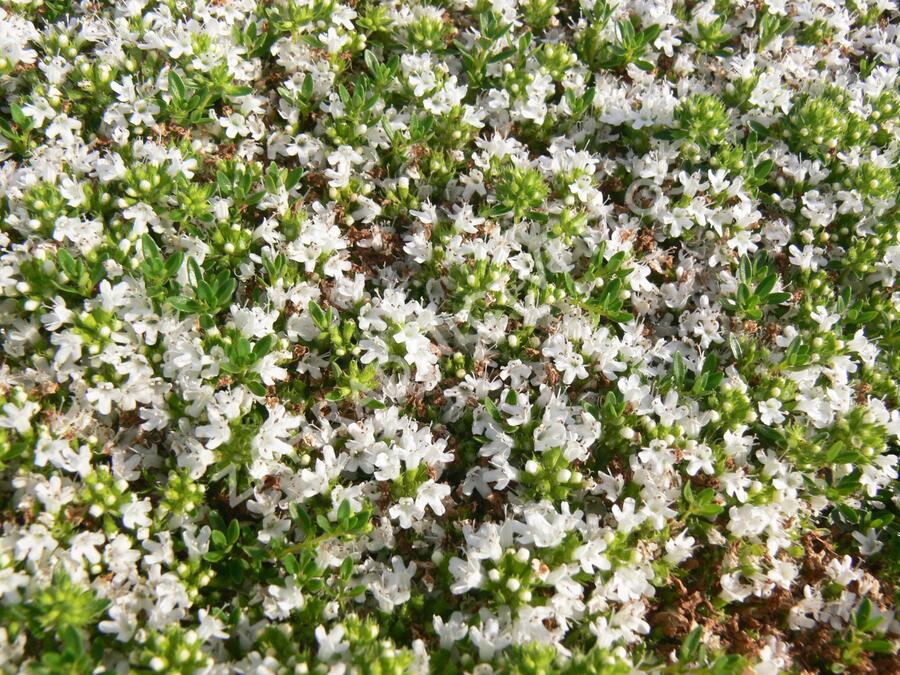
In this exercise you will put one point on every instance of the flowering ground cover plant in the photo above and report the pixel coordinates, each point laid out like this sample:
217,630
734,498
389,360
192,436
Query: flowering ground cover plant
514,336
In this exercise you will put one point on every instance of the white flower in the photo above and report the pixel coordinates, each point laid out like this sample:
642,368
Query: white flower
331,643
590,556
467,575
868,542
770,412
679,549
809,258
83,546
234,125
732,588
280,601
432,494
269,442
700,458
450,631
10,583
35,541
18,417
626,517
841,570
407,512
217,430
103,395
135,513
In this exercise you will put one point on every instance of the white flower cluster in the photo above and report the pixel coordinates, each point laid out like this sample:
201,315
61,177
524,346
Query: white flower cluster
514,336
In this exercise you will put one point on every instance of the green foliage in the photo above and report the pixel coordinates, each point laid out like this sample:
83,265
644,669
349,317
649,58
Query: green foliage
521,191
632,46
16,129
771,26
210,294
702,120
756,289
59,610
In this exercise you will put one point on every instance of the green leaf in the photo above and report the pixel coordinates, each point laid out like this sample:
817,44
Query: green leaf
670,134
620,317
649,34
496,211
769,434
293,177
173,263
97,272
625,31
216,522
679,369
713,380
729,664
359,522
371,62
344,511
503,55
863,612
493,410
710,363
234,532
206,294
299,514
879,646
746,269
195,271
735,346
256,552
614,263
224,292
223,184
318,315
6,130
176,85
149,247
346,568
263,346
68,264
71,640
306,89
701,383
290,563
19,116
763,169
690,647
765,286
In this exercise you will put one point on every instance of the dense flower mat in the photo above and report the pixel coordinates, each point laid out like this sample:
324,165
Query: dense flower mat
477,336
